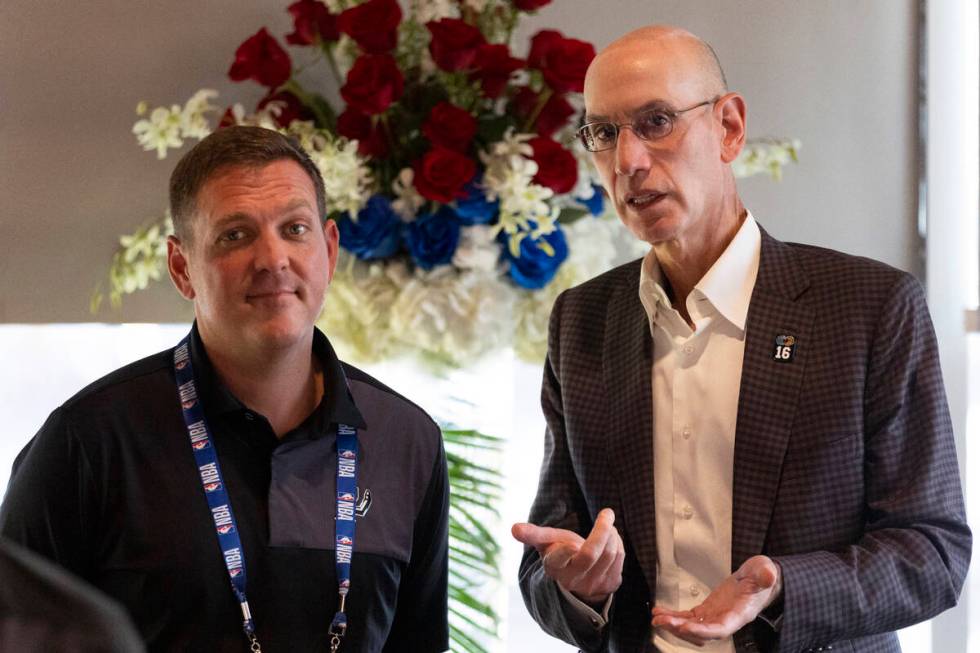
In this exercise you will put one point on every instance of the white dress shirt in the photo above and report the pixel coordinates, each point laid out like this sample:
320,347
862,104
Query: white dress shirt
695,382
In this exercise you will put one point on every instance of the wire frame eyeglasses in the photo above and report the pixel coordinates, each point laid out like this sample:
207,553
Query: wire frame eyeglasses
650,125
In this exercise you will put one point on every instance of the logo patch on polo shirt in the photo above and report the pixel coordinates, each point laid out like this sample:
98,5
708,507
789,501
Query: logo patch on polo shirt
785,348
363,502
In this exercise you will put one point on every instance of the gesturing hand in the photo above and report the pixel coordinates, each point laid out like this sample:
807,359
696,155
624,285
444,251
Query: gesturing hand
592,568
735,602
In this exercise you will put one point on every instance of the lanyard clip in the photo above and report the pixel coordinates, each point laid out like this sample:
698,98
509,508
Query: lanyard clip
338,628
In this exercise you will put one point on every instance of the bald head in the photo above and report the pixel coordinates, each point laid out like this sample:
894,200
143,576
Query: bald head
668,51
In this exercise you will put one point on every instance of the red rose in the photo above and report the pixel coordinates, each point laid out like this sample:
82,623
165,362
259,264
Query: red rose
530,5
563,61
261,58
312,20
454,44
373,83
449,126
557,168
370,138
290,107
494,66
441,174
552,117
373,25
227,118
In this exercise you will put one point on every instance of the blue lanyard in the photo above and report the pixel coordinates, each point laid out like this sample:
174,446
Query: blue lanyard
344,525
219,503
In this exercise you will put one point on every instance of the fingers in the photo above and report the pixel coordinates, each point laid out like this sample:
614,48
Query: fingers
690,629
541,537
760,571
557,557
599,570
694,626
596,570
590,568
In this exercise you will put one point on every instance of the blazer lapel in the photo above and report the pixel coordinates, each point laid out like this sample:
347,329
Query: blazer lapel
769,393
626,369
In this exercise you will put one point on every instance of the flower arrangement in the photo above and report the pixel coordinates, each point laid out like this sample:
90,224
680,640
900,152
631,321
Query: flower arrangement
463,200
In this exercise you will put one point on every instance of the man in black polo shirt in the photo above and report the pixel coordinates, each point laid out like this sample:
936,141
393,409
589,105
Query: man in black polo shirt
201,487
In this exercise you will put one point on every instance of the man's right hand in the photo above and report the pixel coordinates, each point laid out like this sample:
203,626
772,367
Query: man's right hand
592,568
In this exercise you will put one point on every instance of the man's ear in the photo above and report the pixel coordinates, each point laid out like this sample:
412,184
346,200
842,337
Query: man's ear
732,107
177,265
332,236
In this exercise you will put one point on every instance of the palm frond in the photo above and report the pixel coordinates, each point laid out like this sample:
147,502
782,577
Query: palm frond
474,554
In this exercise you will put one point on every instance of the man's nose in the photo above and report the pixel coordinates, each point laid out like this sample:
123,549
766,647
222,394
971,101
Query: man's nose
271,252
632,154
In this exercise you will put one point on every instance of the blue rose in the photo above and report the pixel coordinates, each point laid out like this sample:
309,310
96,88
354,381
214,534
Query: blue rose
593,204
375,234
432,238
475,208
535,267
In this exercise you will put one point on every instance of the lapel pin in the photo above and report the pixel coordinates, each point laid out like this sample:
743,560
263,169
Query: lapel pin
785,348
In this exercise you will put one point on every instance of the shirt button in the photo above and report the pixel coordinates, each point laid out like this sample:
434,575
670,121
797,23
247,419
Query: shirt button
689,349
695,590
686,432
249,416
688,512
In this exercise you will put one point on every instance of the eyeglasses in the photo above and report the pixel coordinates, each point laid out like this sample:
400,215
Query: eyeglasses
650,125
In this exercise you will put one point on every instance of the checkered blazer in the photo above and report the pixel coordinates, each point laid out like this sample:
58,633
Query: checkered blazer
845,469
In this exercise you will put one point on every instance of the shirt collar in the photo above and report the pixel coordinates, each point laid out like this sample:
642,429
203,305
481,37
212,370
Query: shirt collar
336,406
727,285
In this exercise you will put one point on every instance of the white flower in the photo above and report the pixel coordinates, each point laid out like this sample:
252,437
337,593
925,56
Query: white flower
525,207
265,117
346,176
476,5
453,316
513,143
408,201
193,119
477,249
429,10
587,173
765,156
595,245
357,310
161,131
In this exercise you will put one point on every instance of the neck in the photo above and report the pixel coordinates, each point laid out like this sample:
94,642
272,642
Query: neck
685,261
285,386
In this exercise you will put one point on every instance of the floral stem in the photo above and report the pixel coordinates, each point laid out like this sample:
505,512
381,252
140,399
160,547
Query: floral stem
538,108
386,128
511,23
332,63
325,116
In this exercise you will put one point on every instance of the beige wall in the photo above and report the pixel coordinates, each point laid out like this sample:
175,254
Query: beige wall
837,74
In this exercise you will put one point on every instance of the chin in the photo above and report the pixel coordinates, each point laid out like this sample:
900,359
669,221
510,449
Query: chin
280,334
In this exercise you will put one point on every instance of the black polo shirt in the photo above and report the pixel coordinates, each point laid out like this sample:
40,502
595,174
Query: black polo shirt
109,489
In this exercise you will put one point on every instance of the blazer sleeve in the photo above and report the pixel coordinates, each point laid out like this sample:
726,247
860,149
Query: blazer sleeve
559,504
912,558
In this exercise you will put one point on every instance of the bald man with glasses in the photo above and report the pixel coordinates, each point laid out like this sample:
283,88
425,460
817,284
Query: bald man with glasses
748,443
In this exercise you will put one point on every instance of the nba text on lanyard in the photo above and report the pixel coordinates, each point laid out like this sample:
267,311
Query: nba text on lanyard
224,517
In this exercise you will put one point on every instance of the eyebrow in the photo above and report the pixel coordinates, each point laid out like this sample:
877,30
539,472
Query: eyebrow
652,104
295,204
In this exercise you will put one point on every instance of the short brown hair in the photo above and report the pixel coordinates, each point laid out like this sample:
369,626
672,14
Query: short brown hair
233,147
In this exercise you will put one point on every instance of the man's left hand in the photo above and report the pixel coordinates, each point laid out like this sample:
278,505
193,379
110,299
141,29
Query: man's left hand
737,601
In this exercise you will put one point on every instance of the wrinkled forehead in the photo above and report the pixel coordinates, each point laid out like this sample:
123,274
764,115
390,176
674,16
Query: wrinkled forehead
634,74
